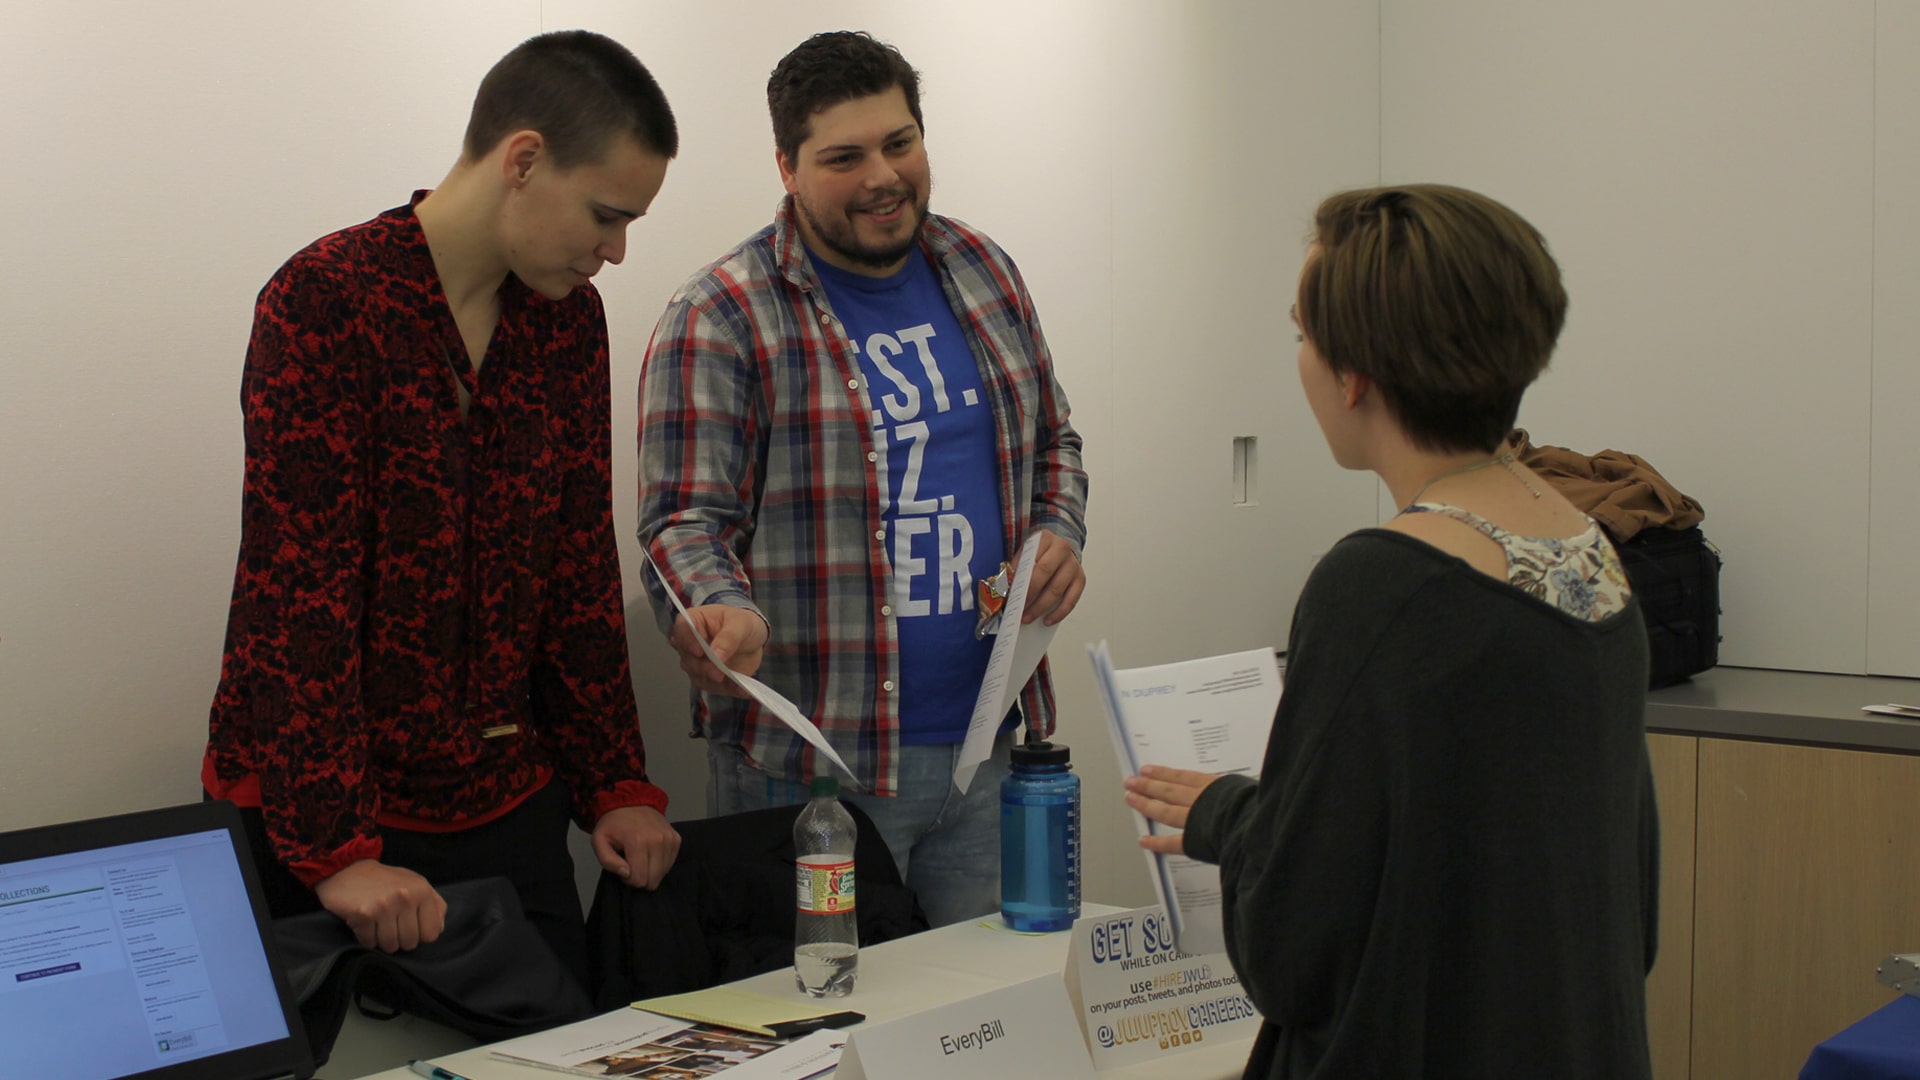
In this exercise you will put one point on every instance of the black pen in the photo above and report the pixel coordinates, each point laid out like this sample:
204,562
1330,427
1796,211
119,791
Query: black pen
433,1072
791,1028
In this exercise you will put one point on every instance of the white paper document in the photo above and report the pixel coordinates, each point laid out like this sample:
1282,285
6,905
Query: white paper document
767,696
1210,715
1017,651
629,1042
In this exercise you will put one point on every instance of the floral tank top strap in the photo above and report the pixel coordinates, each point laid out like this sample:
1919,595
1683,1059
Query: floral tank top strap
1580,575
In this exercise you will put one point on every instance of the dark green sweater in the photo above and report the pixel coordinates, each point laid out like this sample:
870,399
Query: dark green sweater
1449,866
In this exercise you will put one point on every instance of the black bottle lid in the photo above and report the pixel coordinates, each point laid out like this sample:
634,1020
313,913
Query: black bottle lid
1040,753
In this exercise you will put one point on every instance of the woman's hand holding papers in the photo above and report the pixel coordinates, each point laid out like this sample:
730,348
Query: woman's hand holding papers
1164,795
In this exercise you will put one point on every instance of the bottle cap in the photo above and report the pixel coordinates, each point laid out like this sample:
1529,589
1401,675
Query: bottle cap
824,785
1040,753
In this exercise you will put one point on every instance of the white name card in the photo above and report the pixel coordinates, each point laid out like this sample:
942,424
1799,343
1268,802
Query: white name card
1026,1029
1140,998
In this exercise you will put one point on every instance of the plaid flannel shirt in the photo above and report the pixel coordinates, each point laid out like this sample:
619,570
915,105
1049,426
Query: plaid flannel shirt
758,485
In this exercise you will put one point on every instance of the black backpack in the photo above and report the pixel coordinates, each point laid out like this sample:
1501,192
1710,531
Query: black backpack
1675,573
489,975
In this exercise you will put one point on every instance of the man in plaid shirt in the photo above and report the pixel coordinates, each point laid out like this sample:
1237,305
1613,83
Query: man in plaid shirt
849,425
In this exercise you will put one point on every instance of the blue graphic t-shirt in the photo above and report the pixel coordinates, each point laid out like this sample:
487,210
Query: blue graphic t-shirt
934,429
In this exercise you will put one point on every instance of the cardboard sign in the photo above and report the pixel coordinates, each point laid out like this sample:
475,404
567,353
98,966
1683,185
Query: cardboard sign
1026,1029
1141,999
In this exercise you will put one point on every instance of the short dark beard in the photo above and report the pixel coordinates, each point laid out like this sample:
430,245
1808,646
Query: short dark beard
879,260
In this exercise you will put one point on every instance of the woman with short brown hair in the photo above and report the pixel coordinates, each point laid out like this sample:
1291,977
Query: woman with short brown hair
1449,865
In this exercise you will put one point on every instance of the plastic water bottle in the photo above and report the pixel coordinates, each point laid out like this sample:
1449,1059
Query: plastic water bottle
826,940
1040,839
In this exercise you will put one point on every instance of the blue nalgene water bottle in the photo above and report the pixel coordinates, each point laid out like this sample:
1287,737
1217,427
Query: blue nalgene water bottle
1040,839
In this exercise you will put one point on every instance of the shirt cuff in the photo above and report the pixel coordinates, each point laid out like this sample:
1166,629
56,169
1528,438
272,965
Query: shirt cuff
736,599
313,871
624,794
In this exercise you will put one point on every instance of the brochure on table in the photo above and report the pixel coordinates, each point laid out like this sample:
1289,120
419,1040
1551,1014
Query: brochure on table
1212,715
1142,999
1027,1029
632,1043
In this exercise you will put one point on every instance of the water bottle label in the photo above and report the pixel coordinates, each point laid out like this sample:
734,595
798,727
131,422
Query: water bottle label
825,884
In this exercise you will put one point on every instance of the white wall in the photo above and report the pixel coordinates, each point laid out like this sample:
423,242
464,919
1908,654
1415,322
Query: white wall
1726,196
1893,600
1216,165
1132,156
178,153
1705,172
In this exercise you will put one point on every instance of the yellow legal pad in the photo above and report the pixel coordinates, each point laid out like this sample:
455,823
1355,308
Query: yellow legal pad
740,1010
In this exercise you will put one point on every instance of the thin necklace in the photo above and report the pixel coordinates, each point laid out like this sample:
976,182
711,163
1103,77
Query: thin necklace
1498,459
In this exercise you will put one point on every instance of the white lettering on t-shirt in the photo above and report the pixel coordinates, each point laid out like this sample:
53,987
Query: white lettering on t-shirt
920,335
906,567
916,515
955,538
881,349
910,500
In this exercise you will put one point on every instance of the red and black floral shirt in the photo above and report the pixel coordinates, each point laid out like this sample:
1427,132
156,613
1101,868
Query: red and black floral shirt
427,616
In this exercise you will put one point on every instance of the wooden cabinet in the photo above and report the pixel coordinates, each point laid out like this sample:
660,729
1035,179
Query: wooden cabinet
1787,873
1670,984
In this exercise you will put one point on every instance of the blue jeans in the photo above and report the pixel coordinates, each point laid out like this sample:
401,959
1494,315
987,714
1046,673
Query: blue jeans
946,844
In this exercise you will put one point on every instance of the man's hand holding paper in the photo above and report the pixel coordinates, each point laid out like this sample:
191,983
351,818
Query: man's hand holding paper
735,636
747,643
1057,582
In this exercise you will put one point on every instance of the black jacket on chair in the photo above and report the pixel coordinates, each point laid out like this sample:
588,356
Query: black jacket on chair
726,909
490,974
